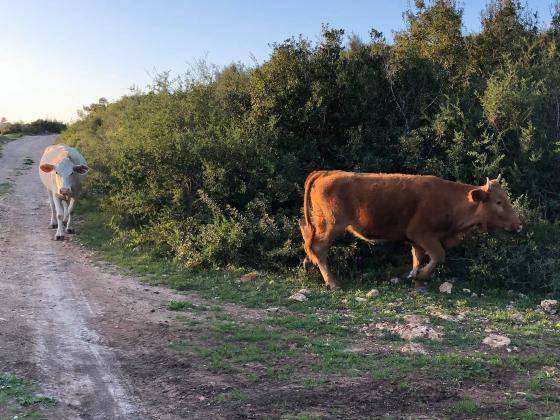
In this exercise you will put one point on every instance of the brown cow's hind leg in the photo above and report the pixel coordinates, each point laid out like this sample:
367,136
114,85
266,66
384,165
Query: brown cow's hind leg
320,247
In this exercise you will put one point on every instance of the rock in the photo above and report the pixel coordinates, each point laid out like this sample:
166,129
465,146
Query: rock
272,309
414,348
305,292
496,341
360,299
410,331
395,280
517,318
467,290
299,297
373,293
474,295
245,278
435,334
549,306
446,287
417,319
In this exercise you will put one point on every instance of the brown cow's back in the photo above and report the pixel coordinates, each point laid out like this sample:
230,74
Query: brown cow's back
383,206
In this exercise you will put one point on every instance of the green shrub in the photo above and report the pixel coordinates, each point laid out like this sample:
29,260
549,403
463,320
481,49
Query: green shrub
208,169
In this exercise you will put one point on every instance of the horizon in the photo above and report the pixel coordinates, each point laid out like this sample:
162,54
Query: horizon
58,59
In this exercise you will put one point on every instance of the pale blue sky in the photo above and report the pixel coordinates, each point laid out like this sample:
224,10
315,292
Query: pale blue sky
56,56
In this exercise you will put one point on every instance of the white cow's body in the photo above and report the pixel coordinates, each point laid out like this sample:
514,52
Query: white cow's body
63,171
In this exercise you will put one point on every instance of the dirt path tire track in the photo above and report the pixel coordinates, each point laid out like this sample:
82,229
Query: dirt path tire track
64,321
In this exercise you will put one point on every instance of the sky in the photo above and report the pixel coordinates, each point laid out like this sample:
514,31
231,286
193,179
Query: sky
58,55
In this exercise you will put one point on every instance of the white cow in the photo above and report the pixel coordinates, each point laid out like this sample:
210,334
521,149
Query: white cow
63,171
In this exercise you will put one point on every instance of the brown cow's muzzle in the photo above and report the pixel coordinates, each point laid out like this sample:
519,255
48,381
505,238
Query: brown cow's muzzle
516,226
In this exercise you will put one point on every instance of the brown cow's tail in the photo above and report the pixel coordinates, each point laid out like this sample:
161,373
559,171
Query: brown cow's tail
305,224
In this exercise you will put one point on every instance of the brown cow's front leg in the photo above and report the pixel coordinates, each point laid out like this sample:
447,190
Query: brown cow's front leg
435,251
454,240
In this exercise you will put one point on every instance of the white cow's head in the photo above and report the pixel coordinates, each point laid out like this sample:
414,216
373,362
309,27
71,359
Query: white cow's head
64,176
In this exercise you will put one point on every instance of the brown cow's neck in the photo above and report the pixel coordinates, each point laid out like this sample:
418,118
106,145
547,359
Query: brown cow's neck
465,210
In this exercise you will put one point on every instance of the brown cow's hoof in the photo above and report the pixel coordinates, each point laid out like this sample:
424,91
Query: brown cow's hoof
70,230
306,264
420,286
53,226
59,238
333,286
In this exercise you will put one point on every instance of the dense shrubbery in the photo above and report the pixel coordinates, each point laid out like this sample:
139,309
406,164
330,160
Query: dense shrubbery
208,169
35,127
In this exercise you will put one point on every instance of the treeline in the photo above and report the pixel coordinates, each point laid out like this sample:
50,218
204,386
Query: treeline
39,126
207,169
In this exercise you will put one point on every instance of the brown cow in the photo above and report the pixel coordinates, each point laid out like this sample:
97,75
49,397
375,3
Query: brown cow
430,212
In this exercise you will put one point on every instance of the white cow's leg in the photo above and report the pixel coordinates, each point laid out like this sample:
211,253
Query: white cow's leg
65,206
53,224
59,235
69,229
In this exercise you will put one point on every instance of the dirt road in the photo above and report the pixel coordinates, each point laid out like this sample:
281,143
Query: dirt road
93,339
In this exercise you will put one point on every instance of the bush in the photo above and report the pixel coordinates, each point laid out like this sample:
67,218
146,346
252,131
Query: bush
32,128
208,169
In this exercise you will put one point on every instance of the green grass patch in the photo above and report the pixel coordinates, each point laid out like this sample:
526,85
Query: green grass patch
5,188
465,407
184,305
233,395
18,399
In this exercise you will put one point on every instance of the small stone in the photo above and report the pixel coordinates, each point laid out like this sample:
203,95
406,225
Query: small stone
497,341
414,348
474,295
304,291
467,290
417,319
395,280
136,249
549,306
372,293
446,287
517,318
245,278
299,297
272,309
360,299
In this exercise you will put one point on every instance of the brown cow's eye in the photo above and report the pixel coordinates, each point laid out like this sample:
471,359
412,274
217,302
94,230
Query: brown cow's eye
499,203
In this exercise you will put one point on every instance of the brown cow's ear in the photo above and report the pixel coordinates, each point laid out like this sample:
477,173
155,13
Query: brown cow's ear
478,195
46,167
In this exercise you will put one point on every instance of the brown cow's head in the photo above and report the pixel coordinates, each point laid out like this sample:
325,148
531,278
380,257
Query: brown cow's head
494,208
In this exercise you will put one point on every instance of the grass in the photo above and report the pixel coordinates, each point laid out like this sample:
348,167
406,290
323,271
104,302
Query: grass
5,188
18,399
319,332
465,407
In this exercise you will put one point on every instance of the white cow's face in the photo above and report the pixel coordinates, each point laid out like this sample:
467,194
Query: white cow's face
63,176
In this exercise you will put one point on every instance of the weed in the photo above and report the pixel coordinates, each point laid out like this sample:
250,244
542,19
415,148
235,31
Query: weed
17,396
465,406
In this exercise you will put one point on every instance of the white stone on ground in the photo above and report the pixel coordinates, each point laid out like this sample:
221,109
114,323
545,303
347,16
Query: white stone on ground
372,293
496,341
549,306
446,287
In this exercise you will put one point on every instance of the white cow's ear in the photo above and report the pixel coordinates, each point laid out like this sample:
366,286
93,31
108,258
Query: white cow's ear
46,167
81,169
